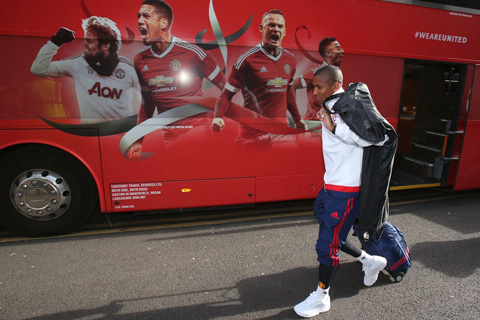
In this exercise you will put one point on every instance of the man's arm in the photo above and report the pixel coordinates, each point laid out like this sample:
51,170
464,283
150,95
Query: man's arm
146,111
299,83
343,131
137,96
293,108
221,107
148,106
43,66
218,79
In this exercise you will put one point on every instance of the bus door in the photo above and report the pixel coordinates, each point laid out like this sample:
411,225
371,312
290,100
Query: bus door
469,166
430,126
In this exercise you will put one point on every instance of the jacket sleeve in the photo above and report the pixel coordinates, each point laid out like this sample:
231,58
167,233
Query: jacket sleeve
44,67
344,133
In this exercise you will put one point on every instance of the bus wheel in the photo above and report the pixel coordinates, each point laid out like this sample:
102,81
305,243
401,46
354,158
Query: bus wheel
45,191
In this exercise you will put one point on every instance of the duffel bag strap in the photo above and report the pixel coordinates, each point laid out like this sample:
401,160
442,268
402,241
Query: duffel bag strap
334,96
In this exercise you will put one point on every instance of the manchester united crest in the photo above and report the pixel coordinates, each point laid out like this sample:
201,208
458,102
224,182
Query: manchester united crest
175,65
287,68
120,73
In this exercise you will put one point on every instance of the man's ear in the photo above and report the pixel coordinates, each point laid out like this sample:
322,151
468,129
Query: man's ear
163,23
336,86
105,47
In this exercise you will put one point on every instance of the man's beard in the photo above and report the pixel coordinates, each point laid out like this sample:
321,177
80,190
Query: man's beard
103,66
93,59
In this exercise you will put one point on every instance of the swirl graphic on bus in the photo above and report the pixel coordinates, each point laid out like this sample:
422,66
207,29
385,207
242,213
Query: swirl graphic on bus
302,49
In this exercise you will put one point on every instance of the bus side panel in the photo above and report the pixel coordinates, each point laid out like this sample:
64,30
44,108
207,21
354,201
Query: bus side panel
288,188
469,166
462,121
221,170
382,75
182,194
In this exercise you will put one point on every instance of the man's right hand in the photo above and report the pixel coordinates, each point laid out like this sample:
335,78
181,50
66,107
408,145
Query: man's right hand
218,124
135,151
326,119
63,36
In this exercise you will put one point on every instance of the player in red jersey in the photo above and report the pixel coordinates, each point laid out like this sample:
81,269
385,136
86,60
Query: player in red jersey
332,53
264,74
168,67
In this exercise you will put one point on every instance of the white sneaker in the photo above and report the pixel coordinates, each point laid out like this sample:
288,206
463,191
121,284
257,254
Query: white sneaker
372,268
317,302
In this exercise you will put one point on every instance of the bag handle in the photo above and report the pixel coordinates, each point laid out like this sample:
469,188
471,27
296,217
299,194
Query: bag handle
333,96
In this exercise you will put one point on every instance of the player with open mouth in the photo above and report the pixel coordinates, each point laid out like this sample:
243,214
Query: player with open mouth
273,30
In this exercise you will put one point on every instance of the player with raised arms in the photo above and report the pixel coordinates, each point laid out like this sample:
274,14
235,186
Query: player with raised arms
105,83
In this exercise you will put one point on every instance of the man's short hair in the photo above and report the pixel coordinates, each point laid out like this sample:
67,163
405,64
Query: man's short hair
105,30
333,74
322,46
163,9
273,11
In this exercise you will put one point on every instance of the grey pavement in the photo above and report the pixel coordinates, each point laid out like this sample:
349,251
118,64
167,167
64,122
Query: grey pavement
243,270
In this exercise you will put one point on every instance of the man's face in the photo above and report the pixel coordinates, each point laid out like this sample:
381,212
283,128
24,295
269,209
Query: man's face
322,88
92,48
150,24
273,30
334,54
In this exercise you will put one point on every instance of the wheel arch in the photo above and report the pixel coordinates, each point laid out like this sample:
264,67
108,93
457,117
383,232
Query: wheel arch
27,159
74,156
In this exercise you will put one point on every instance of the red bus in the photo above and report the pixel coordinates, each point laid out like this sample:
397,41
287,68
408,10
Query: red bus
421,63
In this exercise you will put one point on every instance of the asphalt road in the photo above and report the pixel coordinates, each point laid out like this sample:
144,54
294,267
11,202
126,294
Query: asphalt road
240,269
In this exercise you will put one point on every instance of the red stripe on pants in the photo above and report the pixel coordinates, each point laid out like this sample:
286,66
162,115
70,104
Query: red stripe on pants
335,245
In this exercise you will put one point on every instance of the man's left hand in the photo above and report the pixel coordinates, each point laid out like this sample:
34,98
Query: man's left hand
301,125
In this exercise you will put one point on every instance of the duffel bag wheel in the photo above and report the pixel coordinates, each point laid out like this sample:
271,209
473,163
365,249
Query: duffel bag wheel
399,276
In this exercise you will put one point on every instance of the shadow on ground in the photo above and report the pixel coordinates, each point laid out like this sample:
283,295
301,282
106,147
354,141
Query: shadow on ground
269,292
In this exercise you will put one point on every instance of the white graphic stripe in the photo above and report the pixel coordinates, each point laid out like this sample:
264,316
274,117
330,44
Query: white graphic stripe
214,73
231,88
246,55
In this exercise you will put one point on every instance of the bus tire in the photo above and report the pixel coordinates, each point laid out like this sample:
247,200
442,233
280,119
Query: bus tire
45,191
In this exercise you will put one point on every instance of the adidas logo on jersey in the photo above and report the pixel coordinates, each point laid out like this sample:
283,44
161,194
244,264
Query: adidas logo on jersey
335,215
145,68
263,69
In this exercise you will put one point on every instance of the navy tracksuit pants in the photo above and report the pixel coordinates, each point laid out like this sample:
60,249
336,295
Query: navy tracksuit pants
336,212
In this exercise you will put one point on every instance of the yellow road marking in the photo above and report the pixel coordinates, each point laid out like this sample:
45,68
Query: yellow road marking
416,186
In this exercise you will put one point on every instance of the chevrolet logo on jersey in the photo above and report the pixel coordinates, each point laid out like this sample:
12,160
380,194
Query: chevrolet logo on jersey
277,82
160,81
